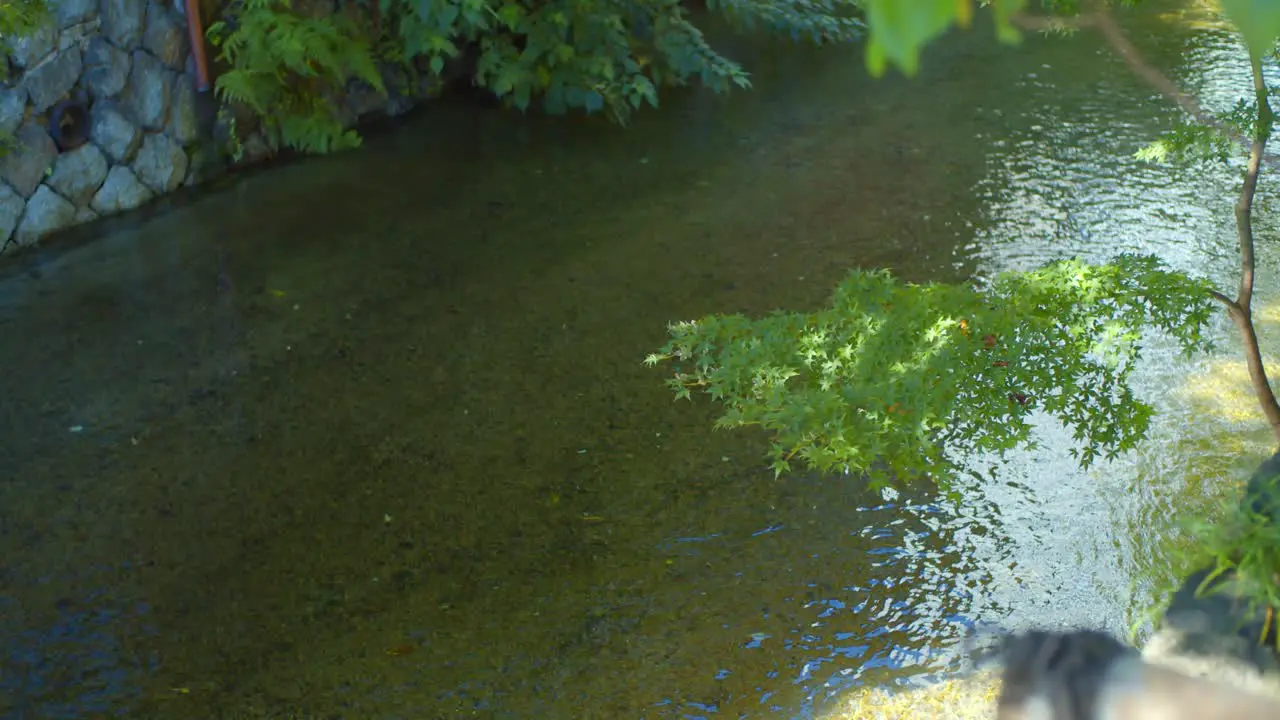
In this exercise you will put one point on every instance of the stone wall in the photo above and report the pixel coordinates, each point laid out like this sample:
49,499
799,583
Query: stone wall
120,68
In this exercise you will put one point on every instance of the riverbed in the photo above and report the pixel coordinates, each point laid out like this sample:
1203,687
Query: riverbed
370,436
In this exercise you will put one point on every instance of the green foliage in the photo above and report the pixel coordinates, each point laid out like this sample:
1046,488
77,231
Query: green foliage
1190,141
609,55
900,29
1244,545
290,69
593,55
19,18
293,70
892,374
1258,22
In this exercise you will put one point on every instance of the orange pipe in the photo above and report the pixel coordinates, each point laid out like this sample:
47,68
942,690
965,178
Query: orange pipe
195,31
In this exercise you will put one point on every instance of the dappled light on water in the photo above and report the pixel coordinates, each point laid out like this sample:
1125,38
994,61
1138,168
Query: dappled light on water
371,437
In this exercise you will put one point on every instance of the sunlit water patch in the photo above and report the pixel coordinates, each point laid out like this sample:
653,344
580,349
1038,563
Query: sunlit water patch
370,437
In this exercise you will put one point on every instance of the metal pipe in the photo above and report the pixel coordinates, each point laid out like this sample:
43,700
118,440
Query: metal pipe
195,31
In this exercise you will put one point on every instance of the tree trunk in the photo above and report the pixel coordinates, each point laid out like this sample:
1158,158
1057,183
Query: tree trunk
1241,310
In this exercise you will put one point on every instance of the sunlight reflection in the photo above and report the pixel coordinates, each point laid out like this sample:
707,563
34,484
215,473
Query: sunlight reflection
969,698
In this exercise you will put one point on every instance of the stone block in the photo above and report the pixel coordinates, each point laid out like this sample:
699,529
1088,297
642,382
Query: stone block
113,132
78,35
184,123
51,80
25,166
161,163
106,68
46,212
166,36
120,192
78,174
147,93
28,51
13,109
74,12
123,22
11,207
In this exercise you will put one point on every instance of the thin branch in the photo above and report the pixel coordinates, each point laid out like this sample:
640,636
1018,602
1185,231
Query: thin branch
1106,24
1102,19
1143,69
1244,230
1228,302
1244,208
1241,308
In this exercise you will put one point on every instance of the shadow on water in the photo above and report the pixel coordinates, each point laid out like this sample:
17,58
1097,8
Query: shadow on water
369,436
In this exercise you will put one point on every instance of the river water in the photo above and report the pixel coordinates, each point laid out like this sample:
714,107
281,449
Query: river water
370,436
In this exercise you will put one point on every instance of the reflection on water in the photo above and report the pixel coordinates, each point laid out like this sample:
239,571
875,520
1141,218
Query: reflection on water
369,437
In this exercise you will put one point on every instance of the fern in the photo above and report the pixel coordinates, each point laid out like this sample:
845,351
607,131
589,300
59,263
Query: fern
292,70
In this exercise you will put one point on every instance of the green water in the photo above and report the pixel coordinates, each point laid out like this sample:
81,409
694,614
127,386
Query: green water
369,436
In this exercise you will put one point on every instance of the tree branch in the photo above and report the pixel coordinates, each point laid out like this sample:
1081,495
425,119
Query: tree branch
1244,231
1228,302
1241,308
1102,19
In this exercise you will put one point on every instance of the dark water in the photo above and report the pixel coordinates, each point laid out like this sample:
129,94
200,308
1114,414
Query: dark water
369,437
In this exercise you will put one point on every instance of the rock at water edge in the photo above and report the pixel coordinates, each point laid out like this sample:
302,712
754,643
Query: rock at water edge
46,212
121,191
11,206
161,163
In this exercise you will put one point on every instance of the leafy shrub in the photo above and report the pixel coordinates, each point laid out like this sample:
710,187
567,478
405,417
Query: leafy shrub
892,374
18,18
290,70
594,55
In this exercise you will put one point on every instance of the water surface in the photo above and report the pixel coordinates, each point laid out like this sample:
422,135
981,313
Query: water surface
370,436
